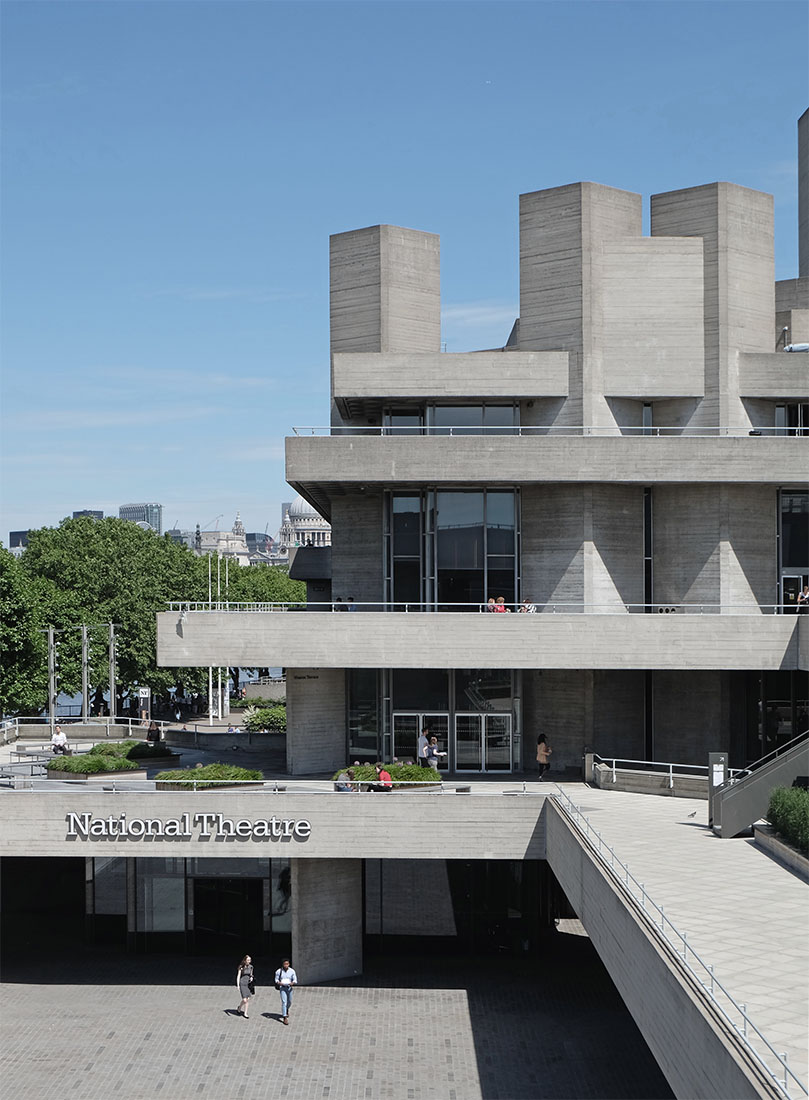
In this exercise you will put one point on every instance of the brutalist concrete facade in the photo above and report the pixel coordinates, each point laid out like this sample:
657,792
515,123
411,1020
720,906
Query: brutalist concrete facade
642,437
648,456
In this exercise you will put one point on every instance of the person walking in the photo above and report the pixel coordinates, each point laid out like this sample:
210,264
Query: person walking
543,755
421,752
285,981
245,985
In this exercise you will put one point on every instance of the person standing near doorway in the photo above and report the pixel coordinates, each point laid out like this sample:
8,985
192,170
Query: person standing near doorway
421,752
285,980
543,755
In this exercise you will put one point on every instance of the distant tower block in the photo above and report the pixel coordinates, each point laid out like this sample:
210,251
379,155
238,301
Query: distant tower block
385,291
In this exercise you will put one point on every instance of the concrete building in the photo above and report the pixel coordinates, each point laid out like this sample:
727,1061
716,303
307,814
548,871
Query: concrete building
633,465
93,513
143,513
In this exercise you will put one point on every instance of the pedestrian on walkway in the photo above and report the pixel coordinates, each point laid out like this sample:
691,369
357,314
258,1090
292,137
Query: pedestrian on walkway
543,755
245,985
423,742
285,980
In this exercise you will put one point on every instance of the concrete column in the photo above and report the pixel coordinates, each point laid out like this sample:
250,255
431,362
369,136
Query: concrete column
316,720
736,226
326,919
385,292
803,194
562,233
356,549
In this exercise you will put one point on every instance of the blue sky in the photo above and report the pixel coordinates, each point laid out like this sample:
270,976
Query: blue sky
171,173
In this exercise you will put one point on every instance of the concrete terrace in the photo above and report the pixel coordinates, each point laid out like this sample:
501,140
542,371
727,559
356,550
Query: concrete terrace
742,911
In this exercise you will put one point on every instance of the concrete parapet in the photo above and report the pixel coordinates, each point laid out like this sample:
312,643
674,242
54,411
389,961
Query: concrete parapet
683,786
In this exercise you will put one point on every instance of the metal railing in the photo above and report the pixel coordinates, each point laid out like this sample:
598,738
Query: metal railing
615,431
734,1013
184,607
184,782
671,770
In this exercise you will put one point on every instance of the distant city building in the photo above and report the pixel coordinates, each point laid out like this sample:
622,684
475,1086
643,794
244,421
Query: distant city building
303,525
91,512
227,544
143,513
17,542
182,538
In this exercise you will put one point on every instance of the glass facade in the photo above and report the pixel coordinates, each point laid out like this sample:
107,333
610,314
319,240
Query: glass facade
793,515
486,418
452,550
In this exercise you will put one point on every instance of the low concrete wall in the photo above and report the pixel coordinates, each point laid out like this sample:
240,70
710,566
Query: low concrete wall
700,1055
369,826
326,919
767,838
275,691
685,786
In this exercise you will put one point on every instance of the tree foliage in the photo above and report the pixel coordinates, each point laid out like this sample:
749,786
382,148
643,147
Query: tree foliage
96,572
23,653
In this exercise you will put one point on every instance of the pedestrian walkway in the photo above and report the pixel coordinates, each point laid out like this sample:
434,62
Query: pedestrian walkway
742,910
100,1027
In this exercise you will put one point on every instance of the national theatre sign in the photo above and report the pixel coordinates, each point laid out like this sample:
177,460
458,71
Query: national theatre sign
201,826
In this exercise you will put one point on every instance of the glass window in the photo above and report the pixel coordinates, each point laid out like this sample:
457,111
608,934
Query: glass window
420,689
161,895
109,881
406,525
403,421
499,419
483,689
363,716
456,419
794,529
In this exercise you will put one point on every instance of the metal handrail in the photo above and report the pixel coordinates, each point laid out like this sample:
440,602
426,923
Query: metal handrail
672,769
118,784
775,753
690,959
400,606
669,431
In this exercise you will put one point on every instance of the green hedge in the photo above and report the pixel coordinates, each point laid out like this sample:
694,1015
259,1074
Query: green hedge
106,748
404,773
91,763
788,813
272,718
211,775
143,750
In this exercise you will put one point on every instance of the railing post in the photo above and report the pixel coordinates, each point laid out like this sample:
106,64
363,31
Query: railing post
671,776
614,776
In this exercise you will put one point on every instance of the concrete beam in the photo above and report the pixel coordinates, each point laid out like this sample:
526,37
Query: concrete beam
316,462
774,375
448,640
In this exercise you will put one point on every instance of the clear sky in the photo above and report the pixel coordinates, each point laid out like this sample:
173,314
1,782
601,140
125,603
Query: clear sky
171,173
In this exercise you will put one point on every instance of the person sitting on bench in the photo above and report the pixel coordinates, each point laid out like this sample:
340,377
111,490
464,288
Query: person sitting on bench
385,782
59,742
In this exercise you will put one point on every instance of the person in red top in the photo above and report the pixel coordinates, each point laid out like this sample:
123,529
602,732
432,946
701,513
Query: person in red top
385,782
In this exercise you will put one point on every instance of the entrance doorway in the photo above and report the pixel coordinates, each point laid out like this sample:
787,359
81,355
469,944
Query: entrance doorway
406,730
228,914
483,742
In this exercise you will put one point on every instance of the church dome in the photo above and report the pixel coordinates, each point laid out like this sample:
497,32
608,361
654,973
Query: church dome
301,509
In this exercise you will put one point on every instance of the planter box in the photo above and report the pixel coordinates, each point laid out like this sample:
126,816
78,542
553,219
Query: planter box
767,838
210,785
137,773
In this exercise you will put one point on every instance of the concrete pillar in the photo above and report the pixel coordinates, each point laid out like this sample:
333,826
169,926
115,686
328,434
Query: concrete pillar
356,549
316,720
326,919
562,231
736,226
803,194
385,290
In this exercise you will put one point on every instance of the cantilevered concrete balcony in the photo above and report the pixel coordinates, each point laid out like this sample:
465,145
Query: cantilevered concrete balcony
371,639
362,382
319,467
774,375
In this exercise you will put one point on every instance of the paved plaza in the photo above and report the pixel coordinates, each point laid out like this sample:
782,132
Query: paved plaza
96,1026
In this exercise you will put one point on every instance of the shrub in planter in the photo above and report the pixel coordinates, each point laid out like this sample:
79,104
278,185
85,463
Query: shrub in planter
788,813
107,749
212,775
91,763
143,751
400,774
272,718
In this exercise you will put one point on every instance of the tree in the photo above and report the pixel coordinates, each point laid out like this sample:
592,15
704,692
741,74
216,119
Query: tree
23,653
95,572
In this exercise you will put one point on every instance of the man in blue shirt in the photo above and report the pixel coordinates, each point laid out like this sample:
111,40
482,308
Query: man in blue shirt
285,979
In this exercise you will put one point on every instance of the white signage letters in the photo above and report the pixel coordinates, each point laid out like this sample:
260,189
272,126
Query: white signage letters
203,826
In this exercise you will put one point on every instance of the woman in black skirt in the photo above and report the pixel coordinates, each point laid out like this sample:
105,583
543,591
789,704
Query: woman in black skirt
244,978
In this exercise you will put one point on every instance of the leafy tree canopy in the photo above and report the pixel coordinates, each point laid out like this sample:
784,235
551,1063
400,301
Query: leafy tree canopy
23,654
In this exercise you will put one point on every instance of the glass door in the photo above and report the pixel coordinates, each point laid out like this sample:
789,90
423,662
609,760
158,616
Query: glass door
406,730
483,742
